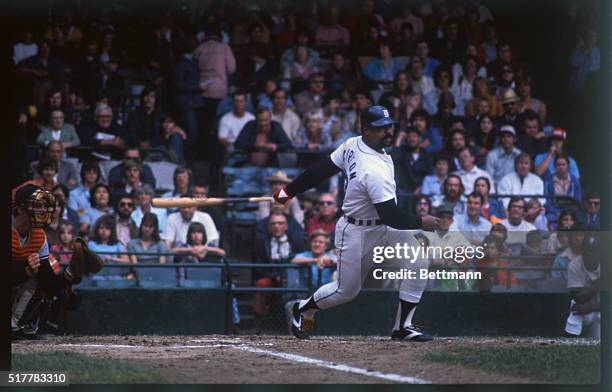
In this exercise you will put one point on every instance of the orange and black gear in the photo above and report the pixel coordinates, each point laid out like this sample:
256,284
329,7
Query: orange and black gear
39,203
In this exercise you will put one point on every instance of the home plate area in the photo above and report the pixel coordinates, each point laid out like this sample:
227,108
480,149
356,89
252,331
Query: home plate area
282,359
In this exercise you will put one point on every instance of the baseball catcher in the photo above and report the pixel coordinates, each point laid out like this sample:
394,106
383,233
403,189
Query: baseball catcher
35,274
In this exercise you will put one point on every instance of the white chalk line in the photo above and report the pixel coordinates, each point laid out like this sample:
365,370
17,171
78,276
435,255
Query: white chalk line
279,354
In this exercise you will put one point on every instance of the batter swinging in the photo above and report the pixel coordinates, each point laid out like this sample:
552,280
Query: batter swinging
370,213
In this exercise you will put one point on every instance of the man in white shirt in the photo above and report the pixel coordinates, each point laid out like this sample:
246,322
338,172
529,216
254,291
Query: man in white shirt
232,123
515,224
469,172
472,225
285,116
178,225
521,182
421,84
500,160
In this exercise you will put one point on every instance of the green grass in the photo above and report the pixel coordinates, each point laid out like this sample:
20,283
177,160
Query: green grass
550,364
82,369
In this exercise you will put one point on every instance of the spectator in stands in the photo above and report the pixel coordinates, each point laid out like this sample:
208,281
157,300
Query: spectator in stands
265,97
468,171
116,178
584,60
126,227
503,58
285,116
400,100
288,57
217,213
25,47
462,87
421,206
532,139
132,178
80,196
101,202
299,71
331,32
406,17
182,180
534,214
411,162
421,83
148,241
59,131
507,82
545,162
493,247
195,248
326,217
42,69
453,191
488,45
178,224
332,116
522,181
144,125
312,98
559,239
361,100
422,52
383,68
103,239
319,259
480,91
590,214
431,141
66,234
104,136
492,209
47,172
340,73
258,67
142,199
443,81
500,160
107,79
516,224
68,214
188,94
472,224
485,138
216,62
523,88
561,183
312,136
451,47
509,102
66,172
277,246
233,122
263,138
572,252
277,181
432,184
404,43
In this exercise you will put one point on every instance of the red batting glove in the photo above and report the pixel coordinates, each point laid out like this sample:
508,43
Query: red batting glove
282,196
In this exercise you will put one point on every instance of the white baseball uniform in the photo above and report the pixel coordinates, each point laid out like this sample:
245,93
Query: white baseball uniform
369,179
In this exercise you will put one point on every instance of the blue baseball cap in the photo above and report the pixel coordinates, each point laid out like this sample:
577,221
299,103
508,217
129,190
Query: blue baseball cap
377,116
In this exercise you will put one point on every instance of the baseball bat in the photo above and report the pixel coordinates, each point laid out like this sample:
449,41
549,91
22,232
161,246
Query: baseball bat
174,202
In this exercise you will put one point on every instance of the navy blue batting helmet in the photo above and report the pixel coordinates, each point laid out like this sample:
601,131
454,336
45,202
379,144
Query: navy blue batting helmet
376,116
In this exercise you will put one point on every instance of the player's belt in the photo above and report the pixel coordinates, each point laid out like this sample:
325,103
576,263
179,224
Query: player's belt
364,222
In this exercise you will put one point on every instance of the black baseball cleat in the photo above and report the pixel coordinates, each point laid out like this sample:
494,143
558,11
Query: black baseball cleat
412,333
296,323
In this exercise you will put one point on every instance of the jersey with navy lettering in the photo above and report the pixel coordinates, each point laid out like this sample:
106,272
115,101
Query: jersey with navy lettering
370,178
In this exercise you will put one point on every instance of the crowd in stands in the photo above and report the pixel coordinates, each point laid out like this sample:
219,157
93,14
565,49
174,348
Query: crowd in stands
248,84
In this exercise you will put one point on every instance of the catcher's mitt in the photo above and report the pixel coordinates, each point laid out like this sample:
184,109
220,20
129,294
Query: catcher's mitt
84,261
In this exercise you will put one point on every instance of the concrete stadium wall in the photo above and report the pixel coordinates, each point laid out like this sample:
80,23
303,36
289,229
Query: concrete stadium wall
202,311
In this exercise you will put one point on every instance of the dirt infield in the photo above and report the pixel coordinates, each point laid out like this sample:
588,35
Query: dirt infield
282,359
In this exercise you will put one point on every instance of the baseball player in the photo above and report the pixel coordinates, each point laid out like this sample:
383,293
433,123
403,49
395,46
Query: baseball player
370,213
32,266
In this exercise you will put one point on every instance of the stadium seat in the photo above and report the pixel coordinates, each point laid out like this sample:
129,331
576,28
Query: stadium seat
157,277
202,277
163,173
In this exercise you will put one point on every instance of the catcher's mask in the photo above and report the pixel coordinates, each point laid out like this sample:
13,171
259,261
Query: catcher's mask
39,204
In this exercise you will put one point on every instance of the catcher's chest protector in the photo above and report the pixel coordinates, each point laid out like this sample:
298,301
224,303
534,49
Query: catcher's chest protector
35,242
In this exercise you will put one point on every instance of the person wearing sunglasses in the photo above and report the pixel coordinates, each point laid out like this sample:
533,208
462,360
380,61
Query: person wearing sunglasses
327,215
590,213
126,227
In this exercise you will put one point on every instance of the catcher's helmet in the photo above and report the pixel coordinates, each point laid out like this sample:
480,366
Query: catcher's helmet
39,203
376,116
